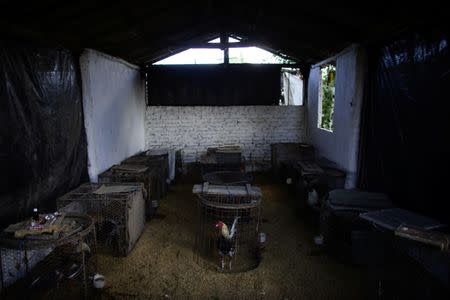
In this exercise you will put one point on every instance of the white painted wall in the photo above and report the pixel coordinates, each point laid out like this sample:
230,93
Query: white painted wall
114,109
195,128
341,145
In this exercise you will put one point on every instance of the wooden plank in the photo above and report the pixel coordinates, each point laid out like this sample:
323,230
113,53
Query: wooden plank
421,235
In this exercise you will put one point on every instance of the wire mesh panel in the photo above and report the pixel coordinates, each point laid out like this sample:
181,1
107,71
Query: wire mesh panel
228,155
51,265
227,178
282,152
118,210
228,227
135,173
206,167
221,159
161,155
156,163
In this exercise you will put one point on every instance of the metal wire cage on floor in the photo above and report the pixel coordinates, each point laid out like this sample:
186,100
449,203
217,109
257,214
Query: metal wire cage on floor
206,167
222,159
228,178
225,156
118,210
157,163
52,266
136,173
228,227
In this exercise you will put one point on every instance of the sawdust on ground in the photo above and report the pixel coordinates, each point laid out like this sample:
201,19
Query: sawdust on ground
162,264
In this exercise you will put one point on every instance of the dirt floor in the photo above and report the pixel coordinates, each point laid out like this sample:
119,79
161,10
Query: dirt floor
162,265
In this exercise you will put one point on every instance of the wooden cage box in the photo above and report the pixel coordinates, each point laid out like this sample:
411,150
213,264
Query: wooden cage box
118,210
51,265
136,173
159,164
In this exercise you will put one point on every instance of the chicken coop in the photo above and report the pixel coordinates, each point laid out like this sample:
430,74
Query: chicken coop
136,173
159,164
225,158
228,227
286,153
51,265
118,210
162,155
227,178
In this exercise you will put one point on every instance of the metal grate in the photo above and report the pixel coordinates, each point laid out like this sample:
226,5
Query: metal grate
232,204
118,210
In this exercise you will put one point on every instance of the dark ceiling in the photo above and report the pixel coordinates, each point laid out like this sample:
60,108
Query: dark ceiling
144,31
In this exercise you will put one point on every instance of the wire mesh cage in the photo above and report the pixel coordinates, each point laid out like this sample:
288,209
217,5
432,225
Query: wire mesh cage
228,178
285,152
206,167
118,210
136,173
228,155
228,227
159,165
222,159
54,265
159,154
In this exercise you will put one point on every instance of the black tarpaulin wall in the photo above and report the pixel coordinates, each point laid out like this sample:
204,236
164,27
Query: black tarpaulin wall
406,121
42,138
213,85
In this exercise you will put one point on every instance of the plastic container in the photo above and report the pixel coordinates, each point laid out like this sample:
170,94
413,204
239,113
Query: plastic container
262,240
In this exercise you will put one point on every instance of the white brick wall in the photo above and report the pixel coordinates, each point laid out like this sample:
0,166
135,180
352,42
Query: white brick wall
193,129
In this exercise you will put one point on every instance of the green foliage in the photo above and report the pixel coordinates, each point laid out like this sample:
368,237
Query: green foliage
328,74
281,60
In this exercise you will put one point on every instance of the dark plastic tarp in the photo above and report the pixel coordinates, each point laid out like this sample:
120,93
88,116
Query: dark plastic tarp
406,122
42,140
214,85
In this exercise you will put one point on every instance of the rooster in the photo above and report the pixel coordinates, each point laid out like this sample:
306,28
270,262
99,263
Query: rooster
226,242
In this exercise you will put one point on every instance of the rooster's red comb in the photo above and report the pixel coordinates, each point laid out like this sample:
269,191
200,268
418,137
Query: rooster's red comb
219,224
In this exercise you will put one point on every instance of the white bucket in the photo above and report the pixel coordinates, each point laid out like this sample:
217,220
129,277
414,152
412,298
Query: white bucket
99,281
262,237
318,240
